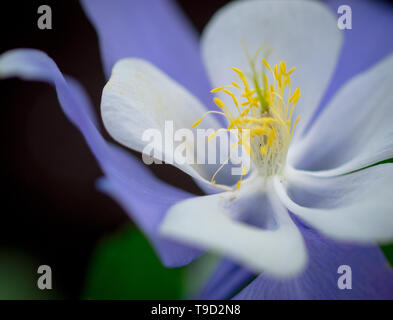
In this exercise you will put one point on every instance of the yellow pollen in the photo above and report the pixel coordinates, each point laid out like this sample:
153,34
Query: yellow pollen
235,85
264,116
216,89
267,65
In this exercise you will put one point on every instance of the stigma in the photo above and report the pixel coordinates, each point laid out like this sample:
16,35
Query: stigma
262,117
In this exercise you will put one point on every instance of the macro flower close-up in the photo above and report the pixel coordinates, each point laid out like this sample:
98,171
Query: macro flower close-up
307,104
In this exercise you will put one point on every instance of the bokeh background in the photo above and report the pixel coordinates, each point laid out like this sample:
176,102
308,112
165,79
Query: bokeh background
51,212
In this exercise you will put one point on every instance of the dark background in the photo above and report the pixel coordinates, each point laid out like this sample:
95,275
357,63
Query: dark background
50,208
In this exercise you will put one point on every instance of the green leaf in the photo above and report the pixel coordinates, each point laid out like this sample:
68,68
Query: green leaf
372,165
198,273
18,277
387,249
124,266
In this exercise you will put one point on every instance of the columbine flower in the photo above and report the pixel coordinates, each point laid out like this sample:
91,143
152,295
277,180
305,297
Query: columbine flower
316,169
138,97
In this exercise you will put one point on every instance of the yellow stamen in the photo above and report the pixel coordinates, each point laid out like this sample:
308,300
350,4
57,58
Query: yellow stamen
233,98
235,85
196,123
290,71
216,89
264,121
283,67
267,65
242,78
244,171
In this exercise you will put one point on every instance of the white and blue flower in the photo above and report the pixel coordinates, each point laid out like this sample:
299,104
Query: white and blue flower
328,187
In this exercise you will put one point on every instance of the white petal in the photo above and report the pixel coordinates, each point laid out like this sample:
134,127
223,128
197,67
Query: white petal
303,33
354,207
207,222
139,97
356,128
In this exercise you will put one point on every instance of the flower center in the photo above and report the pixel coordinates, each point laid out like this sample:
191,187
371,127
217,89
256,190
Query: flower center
263,117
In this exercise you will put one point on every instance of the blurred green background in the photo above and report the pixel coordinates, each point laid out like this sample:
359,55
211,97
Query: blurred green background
123,266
